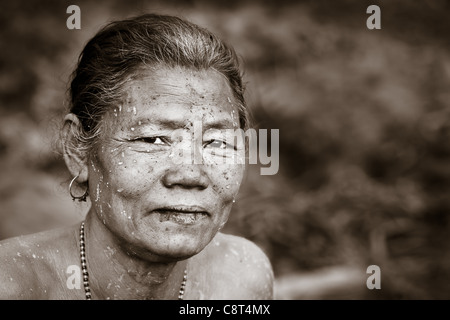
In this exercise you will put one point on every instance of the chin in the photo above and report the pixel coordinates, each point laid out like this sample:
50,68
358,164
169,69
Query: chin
177,247
176,254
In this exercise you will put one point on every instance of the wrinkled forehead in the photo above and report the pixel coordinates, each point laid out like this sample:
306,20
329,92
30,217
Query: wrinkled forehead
177,94
179,84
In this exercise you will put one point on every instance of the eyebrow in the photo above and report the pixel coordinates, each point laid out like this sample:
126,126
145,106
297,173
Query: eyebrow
177,124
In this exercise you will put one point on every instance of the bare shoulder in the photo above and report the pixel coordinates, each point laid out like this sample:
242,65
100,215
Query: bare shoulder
17,280
27,264
237,267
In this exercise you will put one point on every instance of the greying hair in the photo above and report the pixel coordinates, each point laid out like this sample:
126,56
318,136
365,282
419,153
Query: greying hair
120,48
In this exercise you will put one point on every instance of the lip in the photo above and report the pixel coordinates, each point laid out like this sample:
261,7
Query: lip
181,214
182,209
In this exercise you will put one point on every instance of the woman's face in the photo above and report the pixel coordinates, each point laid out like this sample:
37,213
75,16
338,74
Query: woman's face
166,171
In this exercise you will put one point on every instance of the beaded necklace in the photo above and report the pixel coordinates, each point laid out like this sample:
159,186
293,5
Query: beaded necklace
87,289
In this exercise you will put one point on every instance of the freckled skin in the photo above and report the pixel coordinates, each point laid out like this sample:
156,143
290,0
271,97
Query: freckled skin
131,252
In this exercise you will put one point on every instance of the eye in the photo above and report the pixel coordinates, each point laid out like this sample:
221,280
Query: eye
153,140
218,144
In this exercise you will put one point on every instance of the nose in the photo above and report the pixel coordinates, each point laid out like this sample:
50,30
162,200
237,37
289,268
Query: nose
190,176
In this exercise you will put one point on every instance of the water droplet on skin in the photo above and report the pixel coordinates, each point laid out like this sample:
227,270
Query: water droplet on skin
132,129
227,186
120,108
120,163
34,256
98,193
134,111
129,217
234,200
118,190
229,100
134,161
123,154
139,122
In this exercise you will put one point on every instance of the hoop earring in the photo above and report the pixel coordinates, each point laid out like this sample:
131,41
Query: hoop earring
80,198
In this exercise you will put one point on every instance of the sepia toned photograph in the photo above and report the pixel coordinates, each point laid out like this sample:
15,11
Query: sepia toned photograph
225,150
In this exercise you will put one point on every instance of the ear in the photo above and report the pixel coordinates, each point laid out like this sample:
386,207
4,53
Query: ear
75,158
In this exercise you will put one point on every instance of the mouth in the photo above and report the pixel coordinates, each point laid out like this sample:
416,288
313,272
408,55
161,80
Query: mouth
182,214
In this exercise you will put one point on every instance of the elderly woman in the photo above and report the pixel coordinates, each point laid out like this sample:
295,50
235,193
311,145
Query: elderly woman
153,100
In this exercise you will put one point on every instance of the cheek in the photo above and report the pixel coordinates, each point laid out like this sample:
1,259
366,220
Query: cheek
226,179
123,173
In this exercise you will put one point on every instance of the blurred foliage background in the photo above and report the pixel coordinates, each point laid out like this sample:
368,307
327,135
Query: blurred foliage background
364,122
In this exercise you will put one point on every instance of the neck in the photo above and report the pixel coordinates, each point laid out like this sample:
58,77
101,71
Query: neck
118,273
